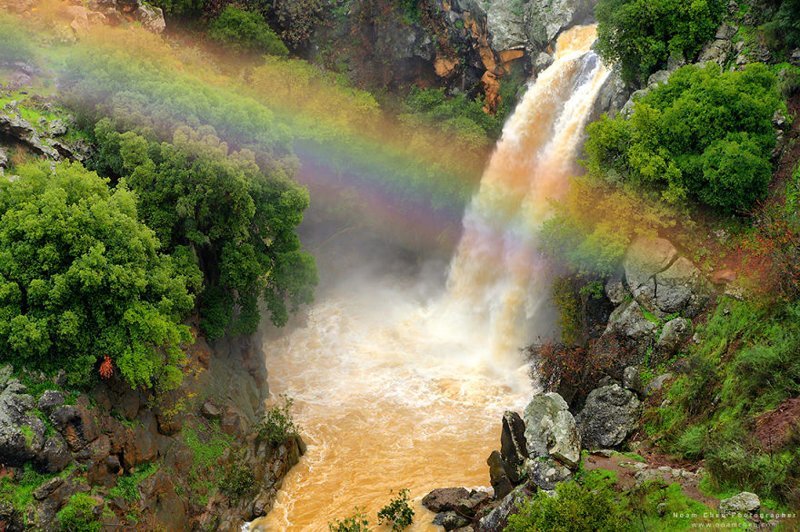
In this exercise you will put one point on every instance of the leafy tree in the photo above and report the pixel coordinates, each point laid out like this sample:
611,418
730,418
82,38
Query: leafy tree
245,31
705,135
784,27
216,207
181,7
82,278
642,35
398,513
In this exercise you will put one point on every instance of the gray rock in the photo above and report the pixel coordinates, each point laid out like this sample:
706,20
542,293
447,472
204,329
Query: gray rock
657,384
210,411
497,519
743,503
450,520
616,291
513,446
632,380
531,24
21,434
673,335
546,472
628,321
152,18
542,62
3,158
44,491
612,97
51,399
55,455
663,282
501,483
609,416
444,499
550,429
14,126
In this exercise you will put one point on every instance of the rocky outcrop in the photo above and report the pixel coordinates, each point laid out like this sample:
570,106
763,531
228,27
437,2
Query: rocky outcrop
497,518
742,503
609,416
454,507
532,24
550,429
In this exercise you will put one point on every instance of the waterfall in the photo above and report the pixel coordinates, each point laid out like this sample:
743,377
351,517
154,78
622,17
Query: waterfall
498,280
398,385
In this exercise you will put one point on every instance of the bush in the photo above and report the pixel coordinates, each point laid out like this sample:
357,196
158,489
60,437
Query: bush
238,480
705,135
397,514
79,514
82,278
357,522
14,42
593,506
278,425
642,35
245,31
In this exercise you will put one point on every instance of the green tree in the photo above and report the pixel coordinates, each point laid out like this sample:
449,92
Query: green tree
642,35
705,135
237,223
82,278
245,31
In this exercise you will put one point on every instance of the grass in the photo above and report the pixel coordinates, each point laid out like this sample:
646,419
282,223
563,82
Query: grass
127,487
207,448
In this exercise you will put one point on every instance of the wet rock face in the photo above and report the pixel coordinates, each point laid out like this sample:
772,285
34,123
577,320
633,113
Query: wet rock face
610,415
513,445
532,24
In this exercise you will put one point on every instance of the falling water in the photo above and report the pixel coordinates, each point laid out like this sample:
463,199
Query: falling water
397,386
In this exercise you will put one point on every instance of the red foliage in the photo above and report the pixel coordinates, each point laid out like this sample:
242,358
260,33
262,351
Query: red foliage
106,368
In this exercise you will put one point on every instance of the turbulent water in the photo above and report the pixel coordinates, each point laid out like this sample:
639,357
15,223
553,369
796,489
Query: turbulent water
398,386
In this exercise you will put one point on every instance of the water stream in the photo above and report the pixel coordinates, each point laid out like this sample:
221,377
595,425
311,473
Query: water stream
400,385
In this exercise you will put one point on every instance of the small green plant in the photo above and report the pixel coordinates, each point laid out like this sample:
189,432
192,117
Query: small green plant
27,433
357,522
238,480
79,514
127,487
278,425
398,513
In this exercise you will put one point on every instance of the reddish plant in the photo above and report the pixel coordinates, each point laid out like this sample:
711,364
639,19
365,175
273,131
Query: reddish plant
106,368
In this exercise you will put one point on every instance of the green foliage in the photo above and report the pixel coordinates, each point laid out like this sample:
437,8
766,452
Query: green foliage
79,514
398,513
127,487
705,135
207,445
570,310
15,43
181,7
19,491
456,114
296,18
747,363
642,35
81,278
278,424
245,31
238,480
783,30
357,522
216,210
588,506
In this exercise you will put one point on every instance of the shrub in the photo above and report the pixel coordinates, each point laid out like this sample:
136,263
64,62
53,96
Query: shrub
238,480
397,514
127,487
642,35
590,507
357,522
245,31
79,514
278,425
82,278
705,135
14,42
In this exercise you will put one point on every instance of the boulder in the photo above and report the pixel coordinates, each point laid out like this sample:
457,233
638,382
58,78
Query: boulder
46,489
55,455
50,400
629,322
550,429
616,291
210,411
632,380
673,335
545,473
608,417
444,499
497,519
76,424
657,384
743,503
663,282
501,483
152,18
450,520
513,446
21,434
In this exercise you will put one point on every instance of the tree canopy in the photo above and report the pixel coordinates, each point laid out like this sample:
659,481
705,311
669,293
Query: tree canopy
705,135
236,222
82,278
641,35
